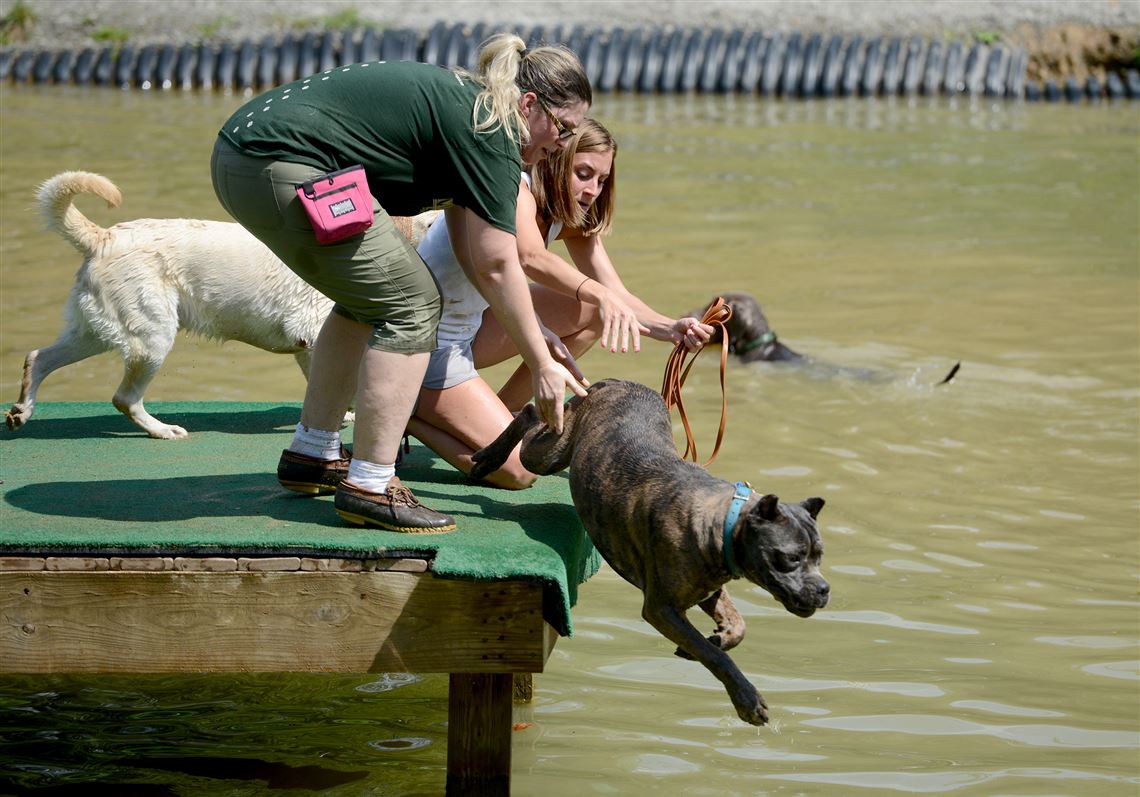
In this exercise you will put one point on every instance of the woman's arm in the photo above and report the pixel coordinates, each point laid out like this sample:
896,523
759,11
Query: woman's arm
619,319
490,258
592,260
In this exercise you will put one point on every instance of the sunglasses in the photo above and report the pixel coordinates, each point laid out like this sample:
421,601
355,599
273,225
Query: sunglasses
564,132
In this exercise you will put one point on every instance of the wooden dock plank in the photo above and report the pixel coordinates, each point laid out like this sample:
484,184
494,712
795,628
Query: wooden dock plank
272,621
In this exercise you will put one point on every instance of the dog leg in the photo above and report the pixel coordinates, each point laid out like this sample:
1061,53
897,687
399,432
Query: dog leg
304,357
673,624
729,624
70,347
490,458
545,451
128,399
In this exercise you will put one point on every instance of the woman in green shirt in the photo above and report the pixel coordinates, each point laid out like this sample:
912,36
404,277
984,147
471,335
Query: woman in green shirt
426,137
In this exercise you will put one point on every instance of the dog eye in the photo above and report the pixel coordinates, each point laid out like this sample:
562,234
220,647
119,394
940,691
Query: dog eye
786,562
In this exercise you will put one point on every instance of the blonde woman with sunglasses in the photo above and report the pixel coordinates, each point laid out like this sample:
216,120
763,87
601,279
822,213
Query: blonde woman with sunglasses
425,136
568,197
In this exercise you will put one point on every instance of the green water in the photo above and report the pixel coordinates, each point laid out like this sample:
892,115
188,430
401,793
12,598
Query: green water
982,538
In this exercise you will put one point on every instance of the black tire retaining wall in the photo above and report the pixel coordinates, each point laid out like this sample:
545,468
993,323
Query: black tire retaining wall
656,60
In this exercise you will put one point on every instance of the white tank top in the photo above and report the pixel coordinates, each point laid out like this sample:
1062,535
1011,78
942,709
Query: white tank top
463,305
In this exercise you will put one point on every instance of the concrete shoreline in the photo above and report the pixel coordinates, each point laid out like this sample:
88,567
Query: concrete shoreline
1063,38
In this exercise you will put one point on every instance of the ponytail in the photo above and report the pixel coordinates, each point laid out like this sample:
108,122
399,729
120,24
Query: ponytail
506,69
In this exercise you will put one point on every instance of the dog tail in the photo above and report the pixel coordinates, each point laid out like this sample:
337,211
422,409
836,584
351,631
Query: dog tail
55,201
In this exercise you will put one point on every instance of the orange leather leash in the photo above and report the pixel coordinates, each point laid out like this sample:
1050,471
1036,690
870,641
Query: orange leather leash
676,373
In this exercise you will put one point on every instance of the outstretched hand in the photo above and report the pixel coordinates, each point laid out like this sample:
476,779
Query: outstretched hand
619,324
692,333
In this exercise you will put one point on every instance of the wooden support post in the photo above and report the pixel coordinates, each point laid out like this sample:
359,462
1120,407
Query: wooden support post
524,687
479,734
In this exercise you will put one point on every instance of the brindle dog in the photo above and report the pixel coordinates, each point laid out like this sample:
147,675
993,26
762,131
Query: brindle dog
666,525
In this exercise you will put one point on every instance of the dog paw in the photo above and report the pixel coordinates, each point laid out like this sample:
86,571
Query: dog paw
479,472
168,433
480,467
14,418
751,708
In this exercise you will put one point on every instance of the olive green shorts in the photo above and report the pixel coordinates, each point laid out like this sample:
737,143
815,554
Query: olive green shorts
375,277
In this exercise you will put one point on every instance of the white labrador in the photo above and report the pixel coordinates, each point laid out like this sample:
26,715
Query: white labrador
142,281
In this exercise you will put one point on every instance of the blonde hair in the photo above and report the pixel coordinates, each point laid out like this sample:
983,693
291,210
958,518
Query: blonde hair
506,69
552,187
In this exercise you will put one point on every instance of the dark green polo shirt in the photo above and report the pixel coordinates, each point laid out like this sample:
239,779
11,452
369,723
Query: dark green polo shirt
408,124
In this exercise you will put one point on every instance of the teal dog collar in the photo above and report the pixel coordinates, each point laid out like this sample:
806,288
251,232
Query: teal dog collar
742,494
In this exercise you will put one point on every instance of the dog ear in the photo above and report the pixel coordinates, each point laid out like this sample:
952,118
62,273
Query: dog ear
769,507
813,505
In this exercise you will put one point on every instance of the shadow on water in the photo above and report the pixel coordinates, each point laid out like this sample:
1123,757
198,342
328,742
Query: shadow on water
84,789
272,774
186,735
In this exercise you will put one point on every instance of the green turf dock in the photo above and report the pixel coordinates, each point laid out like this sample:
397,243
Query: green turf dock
120,553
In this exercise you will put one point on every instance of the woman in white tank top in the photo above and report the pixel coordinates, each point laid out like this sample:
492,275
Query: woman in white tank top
572,200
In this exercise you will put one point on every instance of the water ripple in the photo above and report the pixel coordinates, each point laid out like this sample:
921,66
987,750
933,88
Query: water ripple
1005,708
657,764
1008,546
400,744
762,752
794,471
943,781
673,671
1032,735
948,559
1124,670
909,566
852,570
893,620
389,681
1094,642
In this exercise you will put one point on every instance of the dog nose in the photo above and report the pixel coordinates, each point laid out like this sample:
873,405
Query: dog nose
824,590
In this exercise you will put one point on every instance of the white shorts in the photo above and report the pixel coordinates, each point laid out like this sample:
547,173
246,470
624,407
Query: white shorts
451,364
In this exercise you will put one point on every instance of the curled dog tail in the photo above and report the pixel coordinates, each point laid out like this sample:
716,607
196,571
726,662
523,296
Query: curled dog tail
55,201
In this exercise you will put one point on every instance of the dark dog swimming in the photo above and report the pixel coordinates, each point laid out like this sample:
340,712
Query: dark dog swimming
752,339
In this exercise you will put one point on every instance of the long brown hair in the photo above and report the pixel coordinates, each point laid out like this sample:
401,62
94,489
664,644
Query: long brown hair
551,186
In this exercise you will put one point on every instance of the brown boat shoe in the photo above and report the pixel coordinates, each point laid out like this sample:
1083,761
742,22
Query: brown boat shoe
396,509
312,475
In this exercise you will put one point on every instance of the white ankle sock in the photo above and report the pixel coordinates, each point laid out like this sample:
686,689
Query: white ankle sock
316,443
370,476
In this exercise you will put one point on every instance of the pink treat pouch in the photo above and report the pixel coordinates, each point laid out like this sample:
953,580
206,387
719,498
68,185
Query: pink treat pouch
338,204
